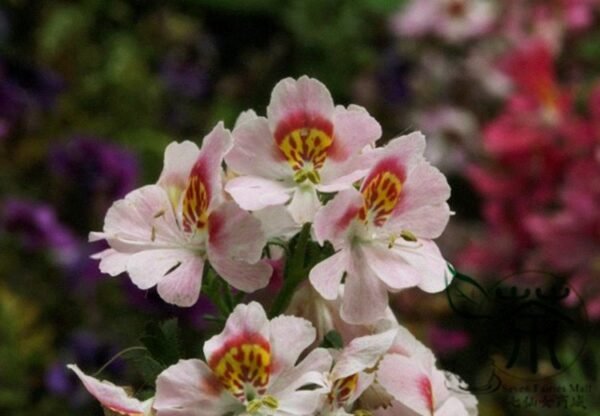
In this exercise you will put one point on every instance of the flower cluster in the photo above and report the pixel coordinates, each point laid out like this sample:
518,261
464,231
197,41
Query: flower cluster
354,221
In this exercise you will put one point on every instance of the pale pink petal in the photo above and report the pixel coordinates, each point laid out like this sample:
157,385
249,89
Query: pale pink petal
333,220
408,382
143,219
425,257
245,320
235,234
353,129
276,222
401,155
311,369
189,388
245,116
289,336
181,286
111,261
110,396
452,407
256,153
146,268
208,165
253,193
365,296
178,163
362,353
426,222
242,275
305,203
326,276
339,176
390,266
305,95
426,185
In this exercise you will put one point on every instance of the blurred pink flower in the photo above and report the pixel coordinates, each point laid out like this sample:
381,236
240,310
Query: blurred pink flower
452,20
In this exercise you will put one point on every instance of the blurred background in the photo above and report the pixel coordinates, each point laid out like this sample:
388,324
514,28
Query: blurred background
91,91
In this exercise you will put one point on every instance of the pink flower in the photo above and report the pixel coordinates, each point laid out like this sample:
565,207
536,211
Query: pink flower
162,234
453,20
383,234
250,369
418,387
113,398
353,371
305,145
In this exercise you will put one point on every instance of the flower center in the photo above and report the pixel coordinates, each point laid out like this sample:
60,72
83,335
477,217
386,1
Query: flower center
456,8
380,197
247,364
304,141
342,389
195,205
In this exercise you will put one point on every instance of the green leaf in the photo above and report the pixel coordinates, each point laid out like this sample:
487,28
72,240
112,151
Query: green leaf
333,340
162,341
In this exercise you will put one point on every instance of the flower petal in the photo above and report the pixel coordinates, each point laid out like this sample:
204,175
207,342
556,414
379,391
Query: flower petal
311,370
362,353
253,193
189,388
426,258
111,261
389,265
365,296
305,95
333,220
305,203
245,320
408,382
235,234
208,165
326,276
426,222
146,268
289,336
110,396
452,407
253,141
181,286
242,275
354,129
178,162
143,219
276,222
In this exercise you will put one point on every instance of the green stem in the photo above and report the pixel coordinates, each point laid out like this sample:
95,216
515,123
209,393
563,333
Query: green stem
295,272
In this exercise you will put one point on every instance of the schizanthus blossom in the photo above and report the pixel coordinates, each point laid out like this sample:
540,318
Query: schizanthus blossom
305,145
162,234
251,368
383,233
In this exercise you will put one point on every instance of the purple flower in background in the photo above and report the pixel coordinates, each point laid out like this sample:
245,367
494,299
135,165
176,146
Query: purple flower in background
25,89
37,228
95,168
